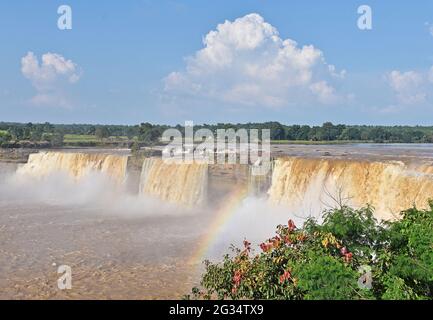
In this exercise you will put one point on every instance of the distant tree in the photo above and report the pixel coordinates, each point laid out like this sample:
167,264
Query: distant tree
315,134
329,132
365,135
131,132
135,148
350,134
5,137
292,132
91,130
47,128
58,137
303,133
277,131
36,133
150,134
102,132
378,134
16,132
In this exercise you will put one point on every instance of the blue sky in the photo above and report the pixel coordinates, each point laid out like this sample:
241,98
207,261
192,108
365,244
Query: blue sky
126,62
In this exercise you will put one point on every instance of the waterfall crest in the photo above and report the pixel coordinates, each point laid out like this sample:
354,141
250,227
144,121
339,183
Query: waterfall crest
177,183
76,165
389,186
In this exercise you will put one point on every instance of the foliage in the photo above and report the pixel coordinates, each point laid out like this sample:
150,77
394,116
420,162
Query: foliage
4,136
325,261
102,133
150,134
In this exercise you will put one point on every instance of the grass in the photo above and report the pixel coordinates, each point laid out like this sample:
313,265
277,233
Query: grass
85,138
309,142
90,140
77,138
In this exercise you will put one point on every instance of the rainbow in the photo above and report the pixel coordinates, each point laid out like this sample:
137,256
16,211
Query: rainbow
222,216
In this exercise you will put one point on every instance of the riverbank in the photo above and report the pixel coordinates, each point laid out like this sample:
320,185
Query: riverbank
16,155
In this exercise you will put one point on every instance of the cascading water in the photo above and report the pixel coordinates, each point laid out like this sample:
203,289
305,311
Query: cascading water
76,165
303,185
177,183
309,184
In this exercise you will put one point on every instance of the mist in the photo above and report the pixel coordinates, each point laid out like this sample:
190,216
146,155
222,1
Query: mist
94,190
255,220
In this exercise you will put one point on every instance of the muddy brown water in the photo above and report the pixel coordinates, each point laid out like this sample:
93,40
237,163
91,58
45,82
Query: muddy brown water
110,257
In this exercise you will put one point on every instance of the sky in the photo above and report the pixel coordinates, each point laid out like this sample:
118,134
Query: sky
133,61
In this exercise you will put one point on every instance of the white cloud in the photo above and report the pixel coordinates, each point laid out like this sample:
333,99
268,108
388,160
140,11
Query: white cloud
50,100
390,109
408,86
430,75
49,77
246,62
429,27
324,92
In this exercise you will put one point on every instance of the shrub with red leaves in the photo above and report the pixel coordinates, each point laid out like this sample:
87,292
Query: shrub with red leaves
322,261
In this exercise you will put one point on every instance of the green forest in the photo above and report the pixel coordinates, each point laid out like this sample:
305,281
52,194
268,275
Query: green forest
57,135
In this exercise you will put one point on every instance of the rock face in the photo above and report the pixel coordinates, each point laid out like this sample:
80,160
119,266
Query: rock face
17,155
27,144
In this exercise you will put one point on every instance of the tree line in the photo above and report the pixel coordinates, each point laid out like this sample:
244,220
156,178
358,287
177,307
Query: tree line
147,133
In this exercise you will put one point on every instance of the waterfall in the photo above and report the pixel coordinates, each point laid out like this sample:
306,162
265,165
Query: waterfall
177,183
76,165
309,184
304,185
